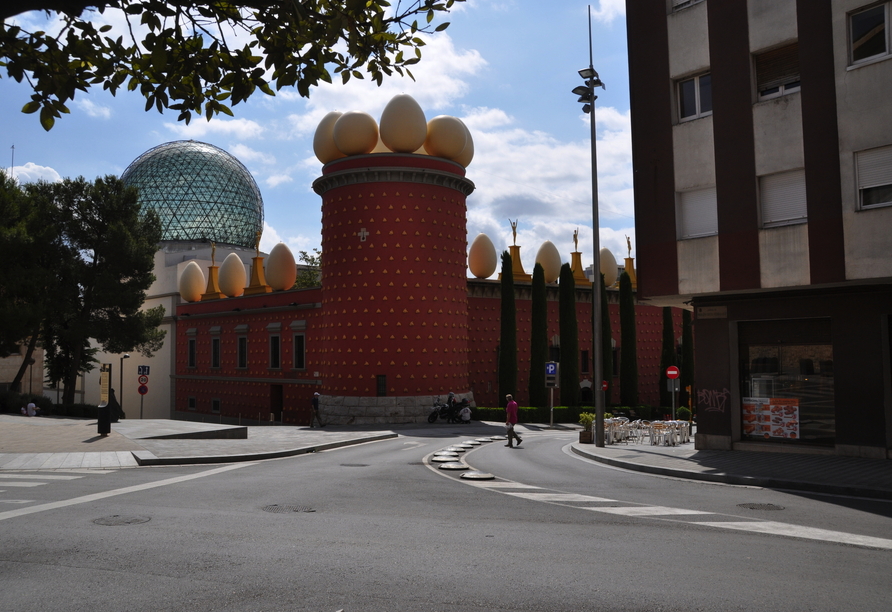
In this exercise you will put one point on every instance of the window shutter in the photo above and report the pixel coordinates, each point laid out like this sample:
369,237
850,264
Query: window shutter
697,213
783,198
777,67
874,167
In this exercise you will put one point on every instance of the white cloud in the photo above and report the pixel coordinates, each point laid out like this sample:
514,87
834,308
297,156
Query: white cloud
31,173
246,154
608,10
241,129
92,109
277,179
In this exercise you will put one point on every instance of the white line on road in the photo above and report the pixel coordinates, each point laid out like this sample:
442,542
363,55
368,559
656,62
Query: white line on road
95,496
795,531
32,476
561,497
646,511
23,484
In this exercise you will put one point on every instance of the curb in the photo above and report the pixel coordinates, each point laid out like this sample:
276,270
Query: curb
147,458
736,479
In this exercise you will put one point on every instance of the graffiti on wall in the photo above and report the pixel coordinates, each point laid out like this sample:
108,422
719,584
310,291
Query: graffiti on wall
713,400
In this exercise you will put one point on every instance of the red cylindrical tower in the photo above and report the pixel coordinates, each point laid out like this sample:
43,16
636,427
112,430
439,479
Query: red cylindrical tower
394,283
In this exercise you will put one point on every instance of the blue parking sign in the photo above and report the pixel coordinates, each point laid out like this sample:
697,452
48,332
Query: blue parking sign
550,368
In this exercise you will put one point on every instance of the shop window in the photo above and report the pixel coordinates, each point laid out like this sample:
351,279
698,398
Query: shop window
787,382
695,97
783,198
697,214
874,177
869,33
777,72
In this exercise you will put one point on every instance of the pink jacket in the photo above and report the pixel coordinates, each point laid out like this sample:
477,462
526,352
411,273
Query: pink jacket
511,408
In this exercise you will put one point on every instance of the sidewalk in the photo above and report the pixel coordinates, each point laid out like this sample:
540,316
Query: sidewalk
41,443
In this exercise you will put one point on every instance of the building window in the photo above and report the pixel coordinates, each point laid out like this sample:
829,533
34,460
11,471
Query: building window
678,5
584,362
215,352
242,352
215,406
869,34
783,198
777,72
300,353
695,97
191,403
190,359
275,352
382,385
874,177
697,214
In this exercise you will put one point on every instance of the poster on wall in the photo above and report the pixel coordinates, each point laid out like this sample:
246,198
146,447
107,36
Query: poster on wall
771,417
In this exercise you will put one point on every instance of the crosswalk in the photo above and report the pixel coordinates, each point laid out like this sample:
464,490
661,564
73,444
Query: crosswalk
13,484
702,518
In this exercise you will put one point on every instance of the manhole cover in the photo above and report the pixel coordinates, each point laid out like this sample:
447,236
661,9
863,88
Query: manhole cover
354,465
760,506
117,519
282,509
453,466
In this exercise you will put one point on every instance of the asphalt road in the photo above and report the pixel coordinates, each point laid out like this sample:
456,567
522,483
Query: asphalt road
375,527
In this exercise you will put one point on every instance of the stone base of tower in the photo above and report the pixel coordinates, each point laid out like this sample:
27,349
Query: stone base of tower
353,410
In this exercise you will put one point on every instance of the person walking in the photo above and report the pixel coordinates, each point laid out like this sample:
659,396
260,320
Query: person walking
511,421
315,418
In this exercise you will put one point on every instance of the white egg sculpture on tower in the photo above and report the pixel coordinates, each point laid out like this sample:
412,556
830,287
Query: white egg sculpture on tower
281,269
192,282
482,259
446,137
323,141
467,154
608,267
233,277
550,259
403,125
355,133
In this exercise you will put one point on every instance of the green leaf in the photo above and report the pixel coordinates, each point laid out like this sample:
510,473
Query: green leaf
31,107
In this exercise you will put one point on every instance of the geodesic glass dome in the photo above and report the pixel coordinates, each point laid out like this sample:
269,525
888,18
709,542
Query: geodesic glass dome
200,192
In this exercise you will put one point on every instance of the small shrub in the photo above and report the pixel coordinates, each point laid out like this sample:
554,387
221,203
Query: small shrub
683,413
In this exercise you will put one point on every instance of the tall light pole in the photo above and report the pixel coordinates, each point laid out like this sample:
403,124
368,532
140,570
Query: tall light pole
121,380
587,98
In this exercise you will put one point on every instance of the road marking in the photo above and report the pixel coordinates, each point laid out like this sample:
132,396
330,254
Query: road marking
15,501
412,445
795,531
665,513
31,476
560,497
96,496
23,484
646,511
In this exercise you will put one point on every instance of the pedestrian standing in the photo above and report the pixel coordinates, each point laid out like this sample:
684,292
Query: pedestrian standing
511,421
315,418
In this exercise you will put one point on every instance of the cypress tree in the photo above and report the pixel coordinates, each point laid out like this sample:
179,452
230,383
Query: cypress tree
606,347
687,357
538,340
569,331
667,356
628,364
508,333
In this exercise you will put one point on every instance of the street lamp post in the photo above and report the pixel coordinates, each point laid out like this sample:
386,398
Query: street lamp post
587,98
121,380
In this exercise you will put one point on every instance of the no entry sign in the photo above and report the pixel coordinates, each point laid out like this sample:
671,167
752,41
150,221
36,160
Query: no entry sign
672,372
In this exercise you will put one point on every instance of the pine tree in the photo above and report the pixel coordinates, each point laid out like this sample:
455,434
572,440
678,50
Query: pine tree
538,393
628,364
508,333
569,330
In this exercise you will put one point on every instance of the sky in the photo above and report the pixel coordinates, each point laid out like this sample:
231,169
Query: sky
505,67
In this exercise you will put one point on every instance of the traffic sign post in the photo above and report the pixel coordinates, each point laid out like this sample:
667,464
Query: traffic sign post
673,384
143,379
552,369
